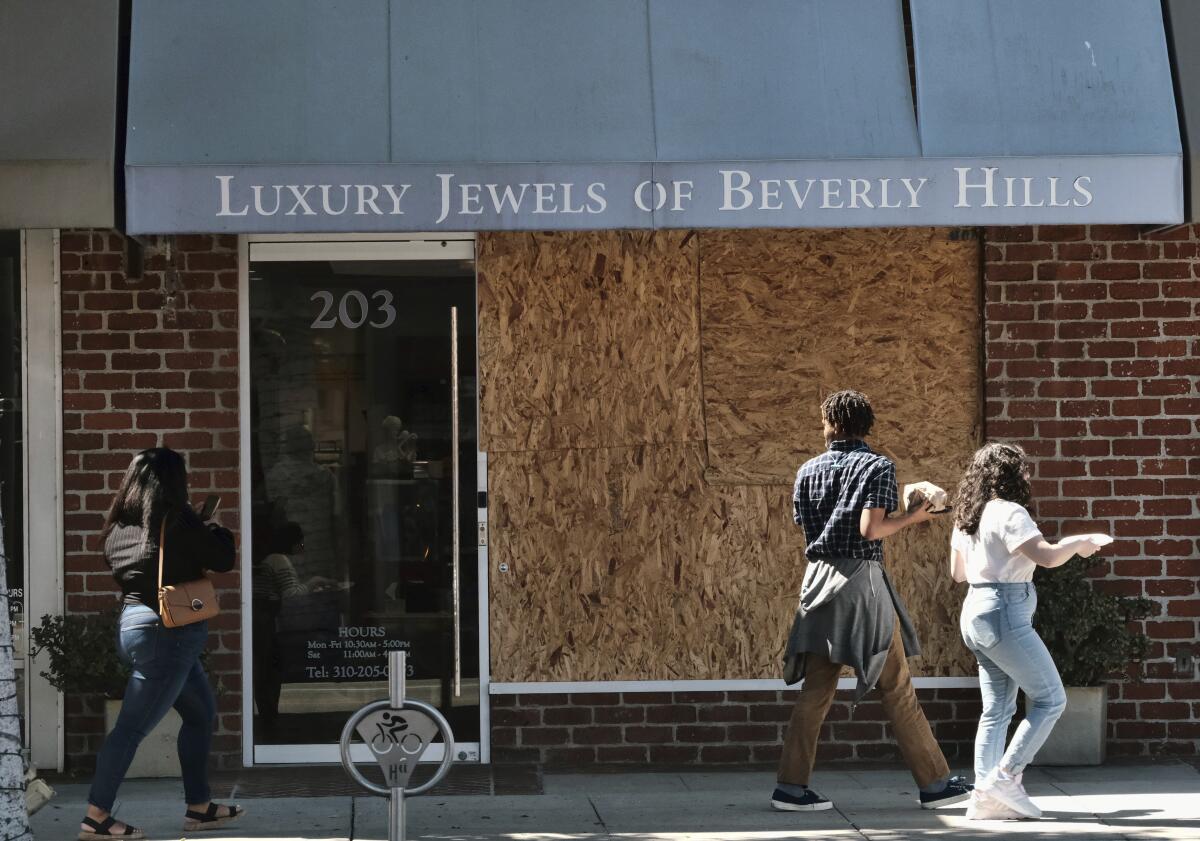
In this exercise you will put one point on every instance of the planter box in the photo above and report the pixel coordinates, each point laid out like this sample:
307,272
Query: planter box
1079,736
157,755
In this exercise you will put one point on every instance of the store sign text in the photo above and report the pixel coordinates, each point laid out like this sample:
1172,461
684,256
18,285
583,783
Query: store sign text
466,197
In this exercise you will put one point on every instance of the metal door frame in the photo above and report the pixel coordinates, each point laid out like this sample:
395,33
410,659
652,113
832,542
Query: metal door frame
343,247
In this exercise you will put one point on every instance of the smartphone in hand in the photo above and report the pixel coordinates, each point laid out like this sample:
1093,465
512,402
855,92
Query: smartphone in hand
211,503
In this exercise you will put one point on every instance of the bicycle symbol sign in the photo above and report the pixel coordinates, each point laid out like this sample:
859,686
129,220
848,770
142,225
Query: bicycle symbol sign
397,739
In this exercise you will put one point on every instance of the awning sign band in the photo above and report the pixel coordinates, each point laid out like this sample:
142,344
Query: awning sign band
772,194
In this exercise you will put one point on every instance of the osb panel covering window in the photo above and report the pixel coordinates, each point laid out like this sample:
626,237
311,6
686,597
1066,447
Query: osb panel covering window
646,399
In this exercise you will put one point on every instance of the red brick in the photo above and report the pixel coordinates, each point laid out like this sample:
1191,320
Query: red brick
1138,487
159,341
1111,310
103,341
107,301
1167,426
1082,329
1182,406
1082,368
1169,548
1116,271
1085,251
1031,409
1185,289
1027,368
1062,350
1170,347
132,321
1166,309
190,360
1137,447
1019,330
1083,291
1010,429
1019,252
1086,447
1029,292
160,379
1006,272
1138,251
1135,368
1108,350
1138,568
1111,507
1061,233
85,361
1086,488
136,361
1009,234
161,420
1084,408
1061,388
1061,429
1061,271
1010,312
1116,388
1164,269
1062,311
107,420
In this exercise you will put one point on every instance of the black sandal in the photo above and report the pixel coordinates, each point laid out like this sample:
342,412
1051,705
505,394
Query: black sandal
201,821
100,830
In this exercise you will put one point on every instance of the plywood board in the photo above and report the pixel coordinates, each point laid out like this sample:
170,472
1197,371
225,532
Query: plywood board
588,339
624,564
790,316
646,539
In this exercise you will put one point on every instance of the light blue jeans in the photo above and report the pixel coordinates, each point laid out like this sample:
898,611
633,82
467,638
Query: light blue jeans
997,625
166,673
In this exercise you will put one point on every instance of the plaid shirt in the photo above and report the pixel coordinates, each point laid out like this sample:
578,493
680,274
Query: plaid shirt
830,494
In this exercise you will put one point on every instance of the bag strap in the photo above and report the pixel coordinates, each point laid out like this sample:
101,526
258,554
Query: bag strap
162,542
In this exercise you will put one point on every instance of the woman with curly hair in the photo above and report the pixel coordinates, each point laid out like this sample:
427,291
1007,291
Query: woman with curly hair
995,547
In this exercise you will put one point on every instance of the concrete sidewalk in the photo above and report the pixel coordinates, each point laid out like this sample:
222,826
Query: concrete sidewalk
1158,800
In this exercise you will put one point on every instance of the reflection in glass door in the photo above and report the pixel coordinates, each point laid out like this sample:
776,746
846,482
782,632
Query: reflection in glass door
12,449
363,476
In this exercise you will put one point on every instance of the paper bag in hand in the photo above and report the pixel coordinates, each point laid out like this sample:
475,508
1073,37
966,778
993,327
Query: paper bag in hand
920,492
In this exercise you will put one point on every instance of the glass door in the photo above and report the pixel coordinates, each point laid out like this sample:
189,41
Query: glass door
12,450
363,476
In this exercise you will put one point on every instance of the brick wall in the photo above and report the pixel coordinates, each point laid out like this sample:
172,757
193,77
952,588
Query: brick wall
144,368
709,727
1093,355
1092,364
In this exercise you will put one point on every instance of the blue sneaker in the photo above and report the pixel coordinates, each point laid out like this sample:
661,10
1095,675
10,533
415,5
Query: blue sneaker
809,802
956,791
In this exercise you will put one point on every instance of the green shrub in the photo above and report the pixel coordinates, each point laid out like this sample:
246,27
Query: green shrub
83,653
1086,630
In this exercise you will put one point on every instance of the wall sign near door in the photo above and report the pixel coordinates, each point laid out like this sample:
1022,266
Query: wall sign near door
354,300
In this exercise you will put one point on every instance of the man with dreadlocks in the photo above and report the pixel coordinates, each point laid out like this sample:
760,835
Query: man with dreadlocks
849,614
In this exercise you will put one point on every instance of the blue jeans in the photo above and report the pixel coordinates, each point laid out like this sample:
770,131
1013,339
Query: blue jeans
997,625
166,673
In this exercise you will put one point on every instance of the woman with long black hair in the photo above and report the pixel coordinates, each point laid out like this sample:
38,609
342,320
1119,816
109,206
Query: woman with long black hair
165,662
995,546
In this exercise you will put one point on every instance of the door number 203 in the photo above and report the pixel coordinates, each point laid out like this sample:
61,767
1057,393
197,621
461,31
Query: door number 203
354,310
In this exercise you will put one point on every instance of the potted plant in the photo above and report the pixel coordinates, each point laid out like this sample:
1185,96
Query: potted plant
82,654
1088,635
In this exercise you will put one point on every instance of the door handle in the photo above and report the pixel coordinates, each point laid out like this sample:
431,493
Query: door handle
456,542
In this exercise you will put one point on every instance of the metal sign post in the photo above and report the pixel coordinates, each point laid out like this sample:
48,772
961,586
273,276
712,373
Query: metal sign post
397,731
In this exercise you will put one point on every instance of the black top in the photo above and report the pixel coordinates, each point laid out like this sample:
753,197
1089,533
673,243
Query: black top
192,547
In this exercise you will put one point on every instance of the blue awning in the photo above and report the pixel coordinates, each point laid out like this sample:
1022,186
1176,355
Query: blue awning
58,113
370,115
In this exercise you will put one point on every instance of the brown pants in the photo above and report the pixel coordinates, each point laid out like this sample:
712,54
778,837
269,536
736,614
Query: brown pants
913,736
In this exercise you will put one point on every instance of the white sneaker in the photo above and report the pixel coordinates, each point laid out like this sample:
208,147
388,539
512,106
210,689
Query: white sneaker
1009,791
984,808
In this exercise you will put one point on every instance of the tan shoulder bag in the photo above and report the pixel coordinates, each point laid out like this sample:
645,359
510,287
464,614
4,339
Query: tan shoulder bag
183,604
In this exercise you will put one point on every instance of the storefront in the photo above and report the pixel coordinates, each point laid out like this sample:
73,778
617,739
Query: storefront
500,328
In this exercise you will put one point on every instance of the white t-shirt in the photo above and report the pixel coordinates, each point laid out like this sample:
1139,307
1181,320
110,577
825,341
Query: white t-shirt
991,554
